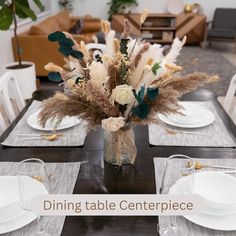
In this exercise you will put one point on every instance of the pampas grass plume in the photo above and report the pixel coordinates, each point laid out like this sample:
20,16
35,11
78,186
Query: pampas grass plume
52,67
61,96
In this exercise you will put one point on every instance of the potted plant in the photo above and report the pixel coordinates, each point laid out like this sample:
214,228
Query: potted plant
10,10
119,6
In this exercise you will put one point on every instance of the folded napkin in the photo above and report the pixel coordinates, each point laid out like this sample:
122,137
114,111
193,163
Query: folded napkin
188,228
74,136
214,135
63,179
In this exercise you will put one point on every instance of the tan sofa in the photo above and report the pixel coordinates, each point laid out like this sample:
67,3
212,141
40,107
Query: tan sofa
36,47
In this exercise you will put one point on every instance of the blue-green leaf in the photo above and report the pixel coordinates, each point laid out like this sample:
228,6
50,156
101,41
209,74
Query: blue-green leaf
141,93
66,51
54,76
139,100
141,110
66,42
56,36
155,68
152,93
77,54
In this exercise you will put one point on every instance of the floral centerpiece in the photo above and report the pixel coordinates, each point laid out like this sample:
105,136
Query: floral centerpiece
129,83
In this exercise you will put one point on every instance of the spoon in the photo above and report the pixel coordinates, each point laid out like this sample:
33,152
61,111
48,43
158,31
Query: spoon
50,137
198,166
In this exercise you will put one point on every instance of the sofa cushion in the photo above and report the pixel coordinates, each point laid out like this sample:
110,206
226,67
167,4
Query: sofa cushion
76,29
90,25
63,20
221,33
46,27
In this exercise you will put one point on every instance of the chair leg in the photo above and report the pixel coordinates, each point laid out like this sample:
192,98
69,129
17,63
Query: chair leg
210,44
235,46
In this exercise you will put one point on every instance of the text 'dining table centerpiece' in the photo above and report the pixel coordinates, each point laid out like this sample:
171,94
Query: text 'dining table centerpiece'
125,82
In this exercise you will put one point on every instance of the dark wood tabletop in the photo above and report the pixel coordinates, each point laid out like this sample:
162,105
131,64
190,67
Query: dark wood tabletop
101,178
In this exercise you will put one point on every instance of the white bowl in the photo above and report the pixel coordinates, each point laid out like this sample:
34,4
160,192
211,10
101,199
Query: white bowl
218,190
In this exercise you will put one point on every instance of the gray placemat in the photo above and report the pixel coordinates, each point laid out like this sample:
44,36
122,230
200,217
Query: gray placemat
214,135
189,228
74,136
63,178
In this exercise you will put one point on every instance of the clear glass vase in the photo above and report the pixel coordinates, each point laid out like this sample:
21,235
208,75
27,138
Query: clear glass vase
119,146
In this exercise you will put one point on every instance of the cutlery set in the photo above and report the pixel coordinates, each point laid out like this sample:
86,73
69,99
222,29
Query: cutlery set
175,132
48,137
227,169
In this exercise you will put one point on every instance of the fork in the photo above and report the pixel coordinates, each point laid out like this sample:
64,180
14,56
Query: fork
175,132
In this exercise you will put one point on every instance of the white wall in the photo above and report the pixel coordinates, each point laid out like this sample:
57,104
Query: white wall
99,8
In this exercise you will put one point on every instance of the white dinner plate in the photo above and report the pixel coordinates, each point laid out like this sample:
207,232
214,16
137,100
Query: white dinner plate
224,222
194,116
67,122
12,216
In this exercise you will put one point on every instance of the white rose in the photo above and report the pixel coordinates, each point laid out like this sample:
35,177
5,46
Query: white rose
113,124
122,94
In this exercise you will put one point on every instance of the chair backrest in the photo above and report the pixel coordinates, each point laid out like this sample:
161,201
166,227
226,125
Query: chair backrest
3,124
230,94
9,82
98,46
224,18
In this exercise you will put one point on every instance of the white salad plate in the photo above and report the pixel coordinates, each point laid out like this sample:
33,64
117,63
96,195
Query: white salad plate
212,218
194,116
12,216
67,122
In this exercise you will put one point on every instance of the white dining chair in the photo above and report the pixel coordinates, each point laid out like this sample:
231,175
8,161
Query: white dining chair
95,46
229,98
3,124
8,83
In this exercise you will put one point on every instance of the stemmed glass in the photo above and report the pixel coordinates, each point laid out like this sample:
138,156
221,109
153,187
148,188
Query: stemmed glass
177,167
32,181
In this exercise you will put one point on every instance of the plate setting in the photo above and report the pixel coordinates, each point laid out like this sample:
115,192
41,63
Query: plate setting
219,211
67,122
12,216
194,116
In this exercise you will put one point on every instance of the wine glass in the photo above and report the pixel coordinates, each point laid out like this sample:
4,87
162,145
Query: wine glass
179,168
32,181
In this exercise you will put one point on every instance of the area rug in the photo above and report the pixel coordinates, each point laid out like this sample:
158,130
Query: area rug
210,62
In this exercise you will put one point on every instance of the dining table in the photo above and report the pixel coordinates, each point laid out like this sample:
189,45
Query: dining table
98,177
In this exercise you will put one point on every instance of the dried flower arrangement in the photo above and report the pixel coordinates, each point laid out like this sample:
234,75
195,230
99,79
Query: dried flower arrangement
128,83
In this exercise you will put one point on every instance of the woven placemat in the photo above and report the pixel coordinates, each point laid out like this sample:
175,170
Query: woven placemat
188,228
74,136
63,178
214,135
